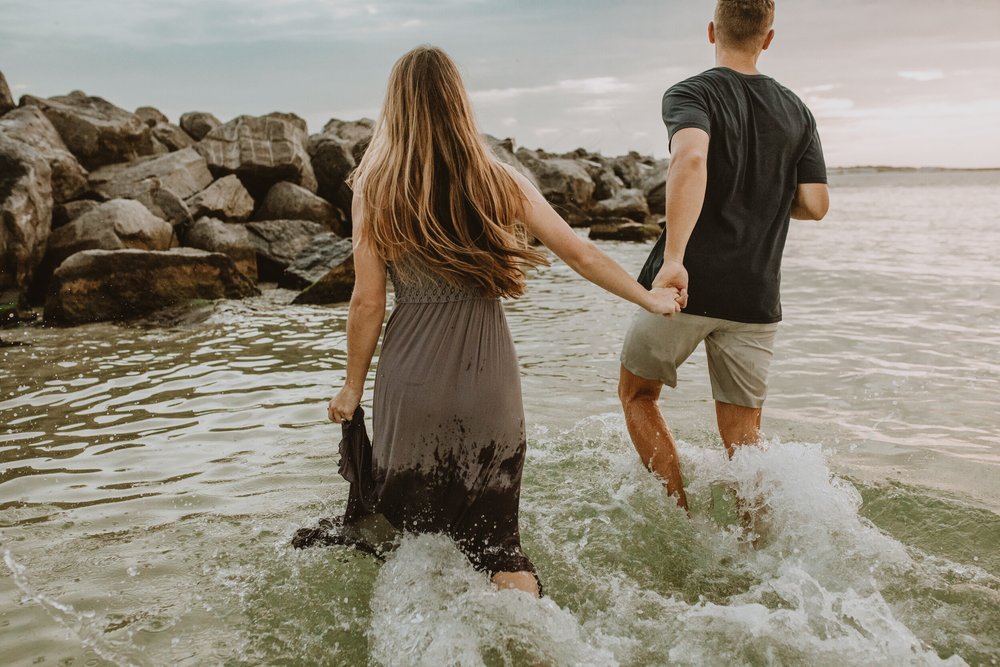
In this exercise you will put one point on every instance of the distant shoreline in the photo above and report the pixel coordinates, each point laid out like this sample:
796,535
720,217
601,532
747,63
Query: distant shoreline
882,169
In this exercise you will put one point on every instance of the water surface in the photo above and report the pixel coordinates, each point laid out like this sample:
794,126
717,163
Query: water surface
150,477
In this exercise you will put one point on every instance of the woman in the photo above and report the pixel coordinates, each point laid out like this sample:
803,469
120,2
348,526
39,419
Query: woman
448,222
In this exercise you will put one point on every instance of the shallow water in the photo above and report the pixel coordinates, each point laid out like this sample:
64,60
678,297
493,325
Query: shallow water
150,478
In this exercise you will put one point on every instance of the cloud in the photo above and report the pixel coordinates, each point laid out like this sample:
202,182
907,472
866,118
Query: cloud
828,106
922,75
822,88
601,85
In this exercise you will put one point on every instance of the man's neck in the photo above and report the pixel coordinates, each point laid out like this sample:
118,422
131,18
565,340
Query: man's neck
745,63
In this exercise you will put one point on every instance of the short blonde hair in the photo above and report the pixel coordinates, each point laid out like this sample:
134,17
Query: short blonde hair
740,23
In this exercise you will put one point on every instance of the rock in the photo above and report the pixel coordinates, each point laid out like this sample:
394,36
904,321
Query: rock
151,116
630,169
654,186
70,211
6,99
184,173
357,134
231,239
279,242
226,198
624,230
113,225
324,252
606,184
95,131
332,162
629,204
199,123
334,287
172,137
164,203
261,151
25,212
503,149
97,285
287,201
294,119
564,183
30,126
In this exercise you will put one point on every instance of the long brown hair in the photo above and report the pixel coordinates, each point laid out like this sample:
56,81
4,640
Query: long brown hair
433,191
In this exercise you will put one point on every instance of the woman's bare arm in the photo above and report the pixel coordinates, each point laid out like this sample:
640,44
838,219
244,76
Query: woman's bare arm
586,258
364,320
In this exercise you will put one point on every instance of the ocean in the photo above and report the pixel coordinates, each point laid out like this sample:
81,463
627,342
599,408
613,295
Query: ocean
151,476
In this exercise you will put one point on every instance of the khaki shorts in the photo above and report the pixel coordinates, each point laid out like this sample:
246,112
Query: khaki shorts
739,354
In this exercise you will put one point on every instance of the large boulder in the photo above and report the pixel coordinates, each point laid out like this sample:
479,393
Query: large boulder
117,224
226,198
629,204
279,242
324,252
67,212
287,201
332,162
336,283
172,137
654,187
231,239
631,168
184,173
199,123
6,99
564,182
504,149
151,116
97,285
96,131
623,229
606,183
25,212
29,125
261,150
357,134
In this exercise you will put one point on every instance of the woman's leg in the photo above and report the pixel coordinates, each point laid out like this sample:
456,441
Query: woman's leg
522,581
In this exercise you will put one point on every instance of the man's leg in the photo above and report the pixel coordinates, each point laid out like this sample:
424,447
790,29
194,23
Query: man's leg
738,425
649,431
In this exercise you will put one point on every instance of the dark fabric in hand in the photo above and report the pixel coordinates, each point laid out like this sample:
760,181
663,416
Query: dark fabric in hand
356,467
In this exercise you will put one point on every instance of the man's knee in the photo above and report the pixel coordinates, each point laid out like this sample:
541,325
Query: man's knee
633,389
738,425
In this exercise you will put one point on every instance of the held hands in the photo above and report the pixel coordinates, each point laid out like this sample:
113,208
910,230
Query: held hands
673,274
664,301
343,405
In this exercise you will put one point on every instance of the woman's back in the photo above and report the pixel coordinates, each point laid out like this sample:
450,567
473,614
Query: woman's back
414,282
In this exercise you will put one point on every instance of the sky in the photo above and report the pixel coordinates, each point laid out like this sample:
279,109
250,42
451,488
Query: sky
891,82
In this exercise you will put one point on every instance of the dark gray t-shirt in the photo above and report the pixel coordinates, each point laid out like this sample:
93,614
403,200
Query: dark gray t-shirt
763,143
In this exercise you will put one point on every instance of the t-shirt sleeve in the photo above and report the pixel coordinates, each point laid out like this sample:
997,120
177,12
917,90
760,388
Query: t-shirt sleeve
812,165
684,105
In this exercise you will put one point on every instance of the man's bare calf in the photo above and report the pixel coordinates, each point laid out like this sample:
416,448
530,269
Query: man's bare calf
649,431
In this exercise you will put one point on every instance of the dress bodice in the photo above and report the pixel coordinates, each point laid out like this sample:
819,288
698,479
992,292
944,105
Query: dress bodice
414,282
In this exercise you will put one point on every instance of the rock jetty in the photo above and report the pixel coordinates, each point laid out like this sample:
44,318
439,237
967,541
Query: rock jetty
110,214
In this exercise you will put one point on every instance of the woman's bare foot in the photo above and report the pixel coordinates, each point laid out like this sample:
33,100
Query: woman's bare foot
522,581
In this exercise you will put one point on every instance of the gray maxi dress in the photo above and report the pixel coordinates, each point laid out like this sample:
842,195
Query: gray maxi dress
448,443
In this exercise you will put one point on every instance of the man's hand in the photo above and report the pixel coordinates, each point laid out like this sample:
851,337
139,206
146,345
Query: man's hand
663,301
673,274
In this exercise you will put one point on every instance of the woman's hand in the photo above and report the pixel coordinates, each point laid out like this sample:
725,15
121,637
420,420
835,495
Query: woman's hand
664,301
343,405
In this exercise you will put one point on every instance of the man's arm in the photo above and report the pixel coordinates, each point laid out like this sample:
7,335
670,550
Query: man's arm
812,201
686,183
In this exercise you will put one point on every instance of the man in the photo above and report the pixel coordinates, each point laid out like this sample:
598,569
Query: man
745,156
